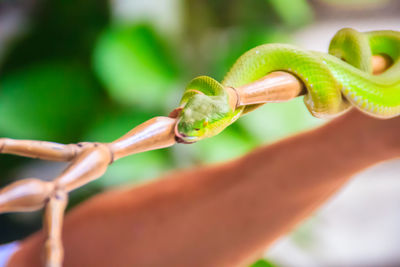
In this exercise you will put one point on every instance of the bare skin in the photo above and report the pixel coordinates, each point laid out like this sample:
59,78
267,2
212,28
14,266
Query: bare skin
90,160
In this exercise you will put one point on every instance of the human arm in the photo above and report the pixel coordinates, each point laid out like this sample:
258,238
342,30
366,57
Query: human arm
226,214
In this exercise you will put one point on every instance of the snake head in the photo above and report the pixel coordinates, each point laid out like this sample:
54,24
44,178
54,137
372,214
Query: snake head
205,111
200,117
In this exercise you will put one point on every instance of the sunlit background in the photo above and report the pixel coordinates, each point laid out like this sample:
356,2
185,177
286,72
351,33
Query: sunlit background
91,70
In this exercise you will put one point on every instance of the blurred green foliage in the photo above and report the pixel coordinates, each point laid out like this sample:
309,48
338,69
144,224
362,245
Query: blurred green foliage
134,66
263,263
78,73
298,14
38,102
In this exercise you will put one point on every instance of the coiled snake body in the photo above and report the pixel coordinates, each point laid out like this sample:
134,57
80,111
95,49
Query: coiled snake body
334,81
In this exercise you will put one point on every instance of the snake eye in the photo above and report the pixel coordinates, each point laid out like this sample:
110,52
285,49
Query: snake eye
197,129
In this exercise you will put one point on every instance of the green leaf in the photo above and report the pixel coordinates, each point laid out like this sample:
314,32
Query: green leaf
134,65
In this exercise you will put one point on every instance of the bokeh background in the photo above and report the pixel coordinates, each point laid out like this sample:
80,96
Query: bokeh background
91,70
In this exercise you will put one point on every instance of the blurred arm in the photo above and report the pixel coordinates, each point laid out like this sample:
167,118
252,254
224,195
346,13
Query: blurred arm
224,214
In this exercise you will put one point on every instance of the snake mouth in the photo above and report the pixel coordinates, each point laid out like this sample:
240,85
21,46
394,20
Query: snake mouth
181,137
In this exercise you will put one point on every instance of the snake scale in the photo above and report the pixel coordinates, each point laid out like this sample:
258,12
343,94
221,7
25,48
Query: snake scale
334,81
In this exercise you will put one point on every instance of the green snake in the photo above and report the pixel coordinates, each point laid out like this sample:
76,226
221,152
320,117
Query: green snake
334,81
